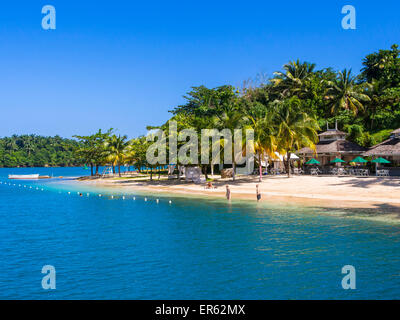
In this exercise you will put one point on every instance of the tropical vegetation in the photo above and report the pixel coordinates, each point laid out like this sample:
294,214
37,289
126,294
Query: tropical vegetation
285,111
38,151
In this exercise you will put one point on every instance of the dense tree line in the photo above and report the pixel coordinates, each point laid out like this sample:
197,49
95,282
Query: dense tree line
38,151
285,111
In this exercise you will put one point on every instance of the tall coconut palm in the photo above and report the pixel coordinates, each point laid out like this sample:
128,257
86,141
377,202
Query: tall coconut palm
265,140
116,146
345,94
293,79
11,144
296,129
231,119
29,145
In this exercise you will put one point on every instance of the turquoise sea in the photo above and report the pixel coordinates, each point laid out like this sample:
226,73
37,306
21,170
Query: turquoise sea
111,248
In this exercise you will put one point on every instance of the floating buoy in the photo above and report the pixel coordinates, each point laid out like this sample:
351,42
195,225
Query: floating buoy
69,192
157,200
112,197
145,199
134,198
88,194
42,189
99,195
169,201
123,197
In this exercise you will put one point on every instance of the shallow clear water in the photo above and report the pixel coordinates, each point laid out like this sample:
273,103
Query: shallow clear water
105,248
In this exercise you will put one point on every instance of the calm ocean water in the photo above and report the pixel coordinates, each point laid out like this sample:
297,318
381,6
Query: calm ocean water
105,248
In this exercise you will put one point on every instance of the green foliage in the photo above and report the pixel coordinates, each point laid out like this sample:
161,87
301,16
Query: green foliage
382,135
358,135
284,112
38,151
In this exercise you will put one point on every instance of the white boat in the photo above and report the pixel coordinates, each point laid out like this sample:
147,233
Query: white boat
23,176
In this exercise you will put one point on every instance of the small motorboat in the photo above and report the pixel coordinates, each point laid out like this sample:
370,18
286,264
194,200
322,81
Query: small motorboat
23,176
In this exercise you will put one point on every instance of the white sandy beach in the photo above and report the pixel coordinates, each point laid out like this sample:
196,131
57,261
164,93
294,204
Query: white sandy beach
332,191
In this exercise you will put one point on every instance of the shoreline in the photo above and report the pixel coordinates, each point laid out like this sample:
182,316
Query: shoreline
332,192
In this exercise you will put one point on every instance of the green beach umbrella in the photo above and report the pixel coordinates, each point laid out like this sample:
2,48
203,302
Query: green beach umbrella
337,160
380,160
359,160
313,161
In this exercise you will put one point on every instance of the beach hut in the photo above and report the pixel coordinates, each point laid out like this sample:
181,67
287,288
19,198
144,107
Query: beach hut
332,144
389,150
279,161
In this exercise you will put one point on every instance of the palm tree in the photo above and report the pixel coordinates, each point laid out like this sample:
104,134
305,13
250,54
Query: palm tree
293,79
296,129
345,94
29,145
230,119
265,142
116,146
11,144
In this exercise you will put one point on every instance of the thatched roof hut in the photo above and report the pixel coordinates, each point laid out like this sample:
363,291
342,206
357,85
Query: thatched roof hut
334,147
387,148
333,144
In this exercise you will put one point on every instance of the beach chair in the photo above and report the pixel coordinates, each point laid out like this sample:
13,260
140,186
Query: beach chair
382,173
297,171
315,171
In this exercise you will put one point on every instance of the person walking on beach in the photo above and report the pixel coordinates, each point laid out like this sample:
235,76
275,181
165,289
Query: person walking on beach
228,193
258,193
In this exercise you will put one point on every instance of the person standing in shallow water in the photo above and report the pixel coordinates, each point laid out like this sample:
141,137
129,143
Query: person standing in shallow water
228,193
258,193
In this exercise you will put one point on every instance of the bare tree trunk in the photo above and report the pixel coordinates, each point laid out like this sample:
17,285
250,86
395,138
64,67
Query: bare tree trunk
233,170
159,173
91,169
205,171
212,169
151,174
119,169
260,167
288,164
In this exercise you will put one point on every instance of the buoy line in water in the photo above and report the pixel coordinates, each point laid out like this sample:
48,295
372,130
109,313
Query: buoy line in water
80,194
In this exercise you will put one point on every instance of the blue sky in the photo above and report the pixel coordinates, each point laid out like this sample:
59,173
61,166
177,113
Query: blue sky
124,64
